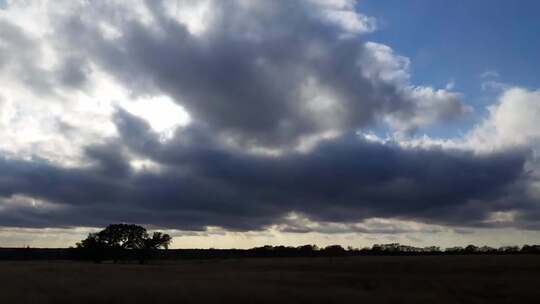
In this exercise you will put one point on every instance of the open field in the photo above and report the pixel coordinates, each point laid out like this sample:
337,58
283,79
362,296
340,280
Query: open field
420,279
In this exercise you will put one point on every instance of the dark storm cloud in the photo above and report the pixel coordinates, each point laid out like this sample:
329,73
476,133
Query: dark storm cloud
246,74
109,159
206,183
374,179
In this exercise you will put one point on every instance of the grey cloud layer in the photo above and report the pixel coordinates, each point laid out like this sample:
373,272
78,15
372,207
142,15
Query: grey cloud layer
205,183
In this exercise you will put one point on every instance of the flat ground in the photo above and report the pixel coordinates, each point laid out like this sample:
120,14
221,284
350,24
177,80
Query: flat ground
435,279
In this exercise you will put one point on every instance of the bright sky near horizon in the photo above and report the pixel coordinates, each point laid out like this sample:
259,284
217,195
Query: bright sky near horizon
243,123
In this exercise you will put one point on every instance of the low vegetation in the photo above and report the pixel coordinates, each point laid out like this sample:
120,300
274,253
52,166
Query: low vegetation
367,279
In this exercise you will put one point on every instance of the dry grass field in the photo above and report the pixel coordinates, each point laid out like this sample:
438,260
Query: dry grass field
428,279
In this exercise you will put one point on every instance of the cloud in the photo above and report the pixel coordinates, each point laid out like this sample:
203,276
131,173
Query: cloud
237,114
262,73
210,183
295,223
18,52
491,82
253,72
490,74
511,122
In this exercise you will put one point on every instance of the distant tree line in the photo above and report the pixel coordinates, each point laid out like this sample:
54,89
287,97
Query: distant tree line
126,243
129,253
389,249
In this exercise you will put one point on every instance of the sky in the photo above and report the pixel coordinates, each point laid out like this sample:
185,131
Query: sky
244,123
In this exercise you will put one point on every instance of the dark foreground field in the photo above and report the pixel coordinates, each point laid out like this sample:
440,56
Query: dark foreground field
427,279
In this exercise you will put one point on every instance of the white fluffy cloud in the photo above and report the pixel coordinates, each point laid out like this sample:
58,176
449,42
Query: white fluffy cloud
511,122
429,105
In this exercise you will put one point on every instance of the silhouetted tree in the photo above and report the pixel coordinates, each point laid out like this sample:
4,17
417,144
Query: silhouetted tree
93,248
530,249
157,241
471,249
334,250
149,245
115,241
508,249
455,250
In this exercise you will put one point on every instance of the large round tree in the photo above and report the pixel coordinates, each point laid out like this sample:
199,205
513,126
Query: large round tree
117,240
